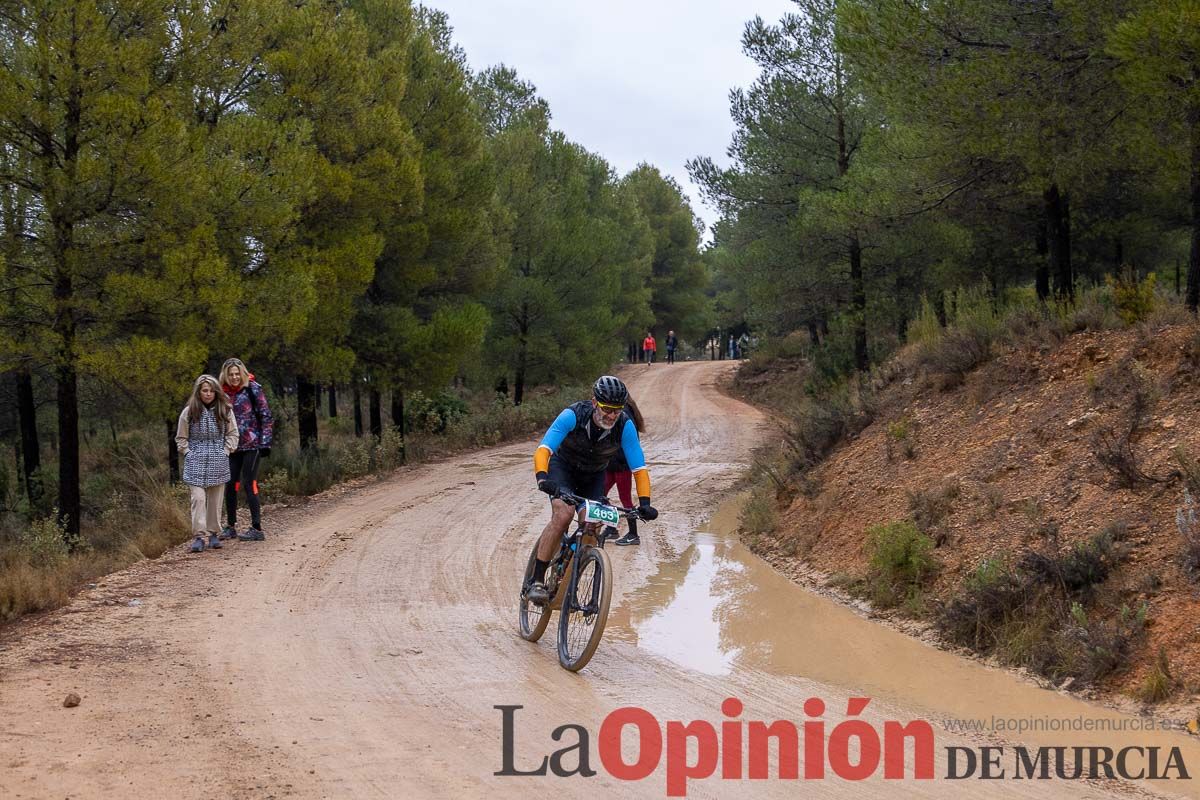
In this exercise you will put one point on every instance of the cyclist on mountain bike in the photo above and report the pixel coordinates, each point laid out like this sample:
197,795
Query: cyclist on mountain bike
573,456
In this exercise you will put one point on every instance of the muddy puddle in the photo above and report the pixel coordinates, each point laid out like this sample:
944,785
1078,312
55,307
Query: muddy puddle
718,609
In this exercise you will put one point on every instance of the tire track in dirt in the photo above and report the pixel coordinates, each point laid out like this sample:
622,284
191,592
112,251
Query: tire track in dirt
361,650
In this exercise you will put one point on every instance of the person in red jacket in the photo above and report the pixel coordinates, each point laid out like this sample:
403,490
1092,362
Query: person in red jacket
649,347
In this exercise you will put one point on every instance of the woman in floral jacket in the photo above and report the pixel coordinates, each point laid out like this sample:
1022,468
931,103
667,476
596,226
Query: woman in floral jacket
255,427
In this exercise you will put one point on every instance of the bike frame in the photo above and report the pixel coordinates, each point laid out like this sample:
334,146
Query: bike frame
579,538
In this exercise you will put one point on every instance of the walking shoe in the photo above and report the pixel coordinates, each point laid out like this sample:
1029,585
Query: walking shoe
609,532
251,535
228,532
214,542
537,594
629,538
197,545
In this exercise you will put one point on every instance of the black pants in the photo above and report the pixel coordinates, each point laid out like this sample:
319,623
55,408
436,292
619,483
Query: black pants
588,485
243,472
670,355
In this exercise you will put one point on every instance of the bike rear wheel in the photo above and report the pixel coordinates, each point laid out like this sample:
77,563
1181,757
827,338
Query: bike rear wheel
532,619
584,609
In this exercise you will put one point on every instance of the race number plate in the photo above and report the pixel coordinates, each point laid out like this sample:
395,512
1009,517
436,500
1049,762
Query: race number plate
598,512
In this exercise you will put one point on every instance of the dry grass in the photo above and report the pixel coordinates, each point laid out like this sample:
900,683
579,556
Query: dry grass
143,518
132,514
1159,684
1033,611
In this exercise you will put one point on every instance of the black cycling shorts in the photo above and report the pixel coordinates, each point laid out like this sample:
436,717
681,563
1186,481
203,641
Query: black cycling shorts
584,484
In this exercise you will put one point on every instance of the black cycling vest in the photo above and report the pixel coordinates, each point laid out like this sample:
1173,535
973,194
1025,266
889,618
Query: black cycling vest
582,450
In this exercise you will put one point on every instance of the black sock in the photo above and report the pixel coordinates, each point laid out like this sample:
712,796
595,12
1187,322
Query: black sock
633,527
539,569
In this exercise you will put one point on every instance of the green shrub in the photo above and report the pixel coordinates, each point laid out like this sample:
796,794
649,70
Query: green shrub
989,600
298,474
1090,649
956,353
759,515
1093,310
926,327
900,558
900,437
1158,684
795,346
815,426
432,414
1035,614
44,542
1134,300
1083,567
833,362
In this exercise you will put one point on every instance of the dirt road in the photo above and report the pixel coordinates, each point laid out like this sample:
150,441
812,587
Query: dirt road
361,650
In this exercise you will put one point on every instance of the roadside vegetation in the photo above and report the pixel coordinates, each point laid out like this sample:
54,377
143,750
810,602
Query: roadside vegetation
393,241
1056,592
138,514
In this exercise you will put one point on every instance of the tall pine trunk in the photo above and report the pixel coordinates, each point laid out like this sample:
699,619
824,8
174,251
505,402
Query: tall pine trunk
1193,272
31,451
522,357
376,413
61,211
67,395
172,454
306,411
1041,276
358,424
1058,242
519,377
858,304
398,418
332,400
858,289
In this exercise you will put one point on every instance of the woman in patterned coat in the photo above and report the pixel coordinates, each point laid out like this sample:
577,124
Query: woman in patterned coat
255,432
206,435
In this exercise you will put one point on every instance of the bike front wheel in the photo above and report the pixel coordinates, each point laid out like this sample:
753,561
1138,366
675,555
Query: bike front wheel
584,609
532,619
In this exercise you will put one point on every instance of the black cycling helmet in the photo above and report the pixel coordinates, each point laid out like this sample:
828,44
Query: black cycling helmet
610,391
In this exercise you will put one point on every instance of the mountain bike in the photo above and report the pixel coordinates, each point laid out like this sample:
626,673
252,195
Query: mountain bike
579,580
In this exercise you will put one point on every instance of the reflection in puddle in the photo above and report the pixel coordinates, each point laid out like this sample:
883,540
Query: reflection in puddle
679,611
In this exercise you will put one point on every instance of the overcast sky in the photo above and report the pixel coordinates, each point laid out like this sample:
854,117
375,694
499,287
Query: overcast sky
631,80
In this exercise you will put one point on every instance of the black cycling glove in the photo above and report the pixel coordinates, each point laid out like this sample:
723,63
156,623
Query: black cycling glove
546,485
647,511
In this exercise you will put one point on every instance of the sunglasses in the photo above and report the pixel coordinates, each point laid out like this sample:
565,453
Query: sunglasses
608,408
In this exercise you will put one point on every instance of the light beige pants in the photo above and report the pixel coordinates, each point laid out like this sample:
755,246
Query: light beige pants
206,509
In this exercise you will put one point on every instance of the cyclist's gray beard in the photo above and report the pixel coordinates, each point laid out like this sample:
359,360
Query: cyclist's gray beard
599,420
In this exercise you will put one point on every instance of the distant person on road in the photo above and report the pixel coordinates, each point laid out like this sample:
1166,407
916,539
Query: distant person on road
206,435
619,475
255,432
648,347
574,456
672,345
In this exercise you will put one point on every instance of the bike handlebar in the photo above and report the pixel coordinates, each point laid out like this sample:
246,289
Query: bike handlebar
577,501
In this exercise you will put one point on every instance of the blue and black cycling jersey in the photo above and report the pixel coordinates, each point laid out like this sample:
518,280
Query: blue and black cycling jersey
584,446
